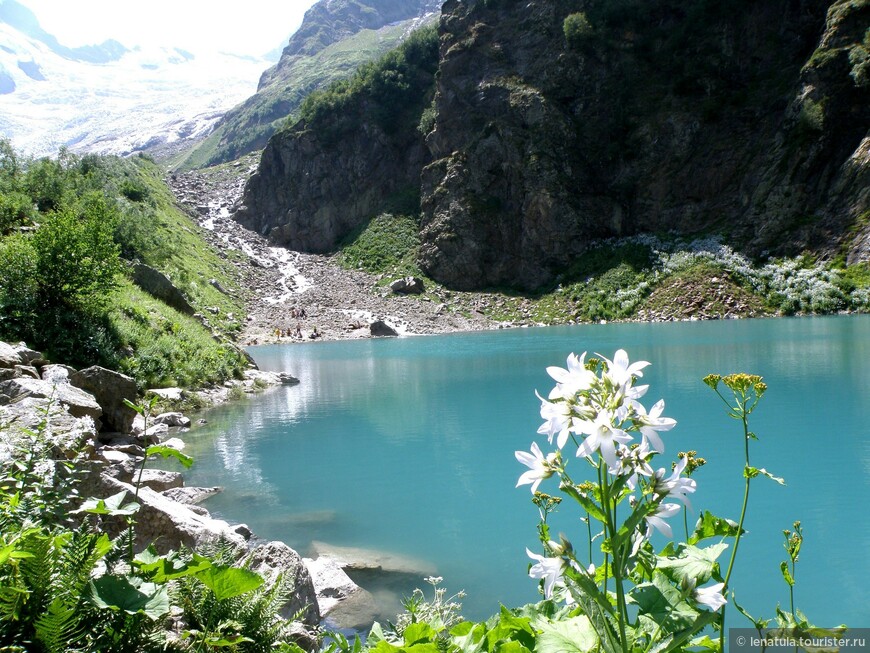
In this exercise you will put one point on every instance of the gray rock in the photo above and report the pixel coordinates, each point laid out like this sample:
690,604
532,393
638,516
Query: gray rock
172,419
7,373
110,389
156,433
26,355
287,379
9,358
275,558
349,557
245,531
167,524
408,286
28,370
159,480
379,328
67,432
80,403
341,601
191,495
158,285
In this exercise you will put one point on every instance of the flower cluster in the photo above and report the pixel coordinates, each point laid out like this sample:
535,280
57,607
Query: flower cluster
596,407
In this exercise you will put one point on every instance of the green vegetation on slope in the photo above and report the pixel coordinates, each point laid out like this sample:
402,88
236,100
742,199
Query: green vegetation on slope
70,228
393,91
388,244
249,126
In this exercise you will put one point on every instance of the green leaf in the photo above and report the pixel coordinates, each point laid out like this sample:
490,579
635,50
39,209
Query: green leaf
165,568
662,605
623,536
752,472
786,574
119,594
511,646
758,623
417,633
575,635
468,636
588,504
227,582
109,506
691,563
223,641
169,452
510,627
709,525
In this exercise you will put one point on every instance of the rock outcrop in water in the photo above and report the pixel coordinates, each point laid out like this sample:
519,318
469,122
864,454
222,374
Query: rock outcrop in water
559,122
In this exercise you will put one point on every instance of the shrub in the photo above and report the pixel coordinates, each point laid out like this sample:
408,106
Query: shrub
577,28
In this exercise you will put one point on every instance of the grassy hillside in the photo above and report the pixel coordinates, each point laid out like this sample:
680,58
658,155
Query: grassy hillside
249,126
71,229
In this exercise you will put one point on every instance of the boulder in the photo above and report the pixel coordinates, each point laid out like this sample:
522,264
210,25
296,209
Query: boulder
159,480
79,402
287,379
275,558
67,432
110,389
342,603
408,286
8,356
172,419
379,328
7,373
26,355
266,378
27,370
158,285
167,524
355,558
156,433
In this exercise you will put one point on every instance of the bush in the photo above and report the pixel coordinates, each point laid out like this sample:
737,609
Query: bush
577,29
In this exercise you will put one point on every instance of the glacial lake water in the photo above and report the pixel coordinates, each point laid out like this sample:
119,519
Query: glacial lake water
407,445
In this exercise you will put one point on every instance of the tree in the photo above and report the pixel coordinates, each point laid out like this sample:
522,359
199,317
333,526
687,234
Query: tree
76,255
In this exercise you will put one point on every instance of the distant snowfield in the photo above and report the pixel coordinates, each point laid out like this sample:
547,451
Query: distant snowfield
145,99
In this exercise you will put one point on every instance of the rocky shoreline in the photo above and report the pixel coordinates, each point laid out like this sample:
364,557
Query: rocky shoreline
83,414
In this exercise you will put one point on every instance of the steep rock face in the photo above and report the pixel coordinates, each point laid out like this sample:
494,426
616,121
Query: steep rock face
359,153
647,116
307,201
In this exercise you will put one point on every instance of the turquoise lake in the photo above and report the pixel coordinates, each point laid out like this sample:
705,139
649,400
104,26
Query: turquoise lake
407,445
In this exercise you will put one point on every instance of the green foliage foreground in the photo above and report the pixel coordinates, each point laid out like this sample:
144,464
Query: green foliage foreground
70,228
66,586
610,589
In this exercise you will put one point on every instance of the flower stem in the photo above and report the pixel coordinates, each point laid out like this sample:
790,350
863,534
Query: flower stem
610,532
745,419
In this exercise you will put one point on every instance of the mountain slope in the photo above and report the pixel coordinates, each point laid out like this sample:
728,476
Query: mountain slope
336,36
559,123
645,117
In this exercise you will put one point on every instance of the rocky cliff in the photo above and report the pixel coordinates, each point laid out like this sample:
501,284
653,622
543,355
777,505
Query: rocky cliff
356,152
562,121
